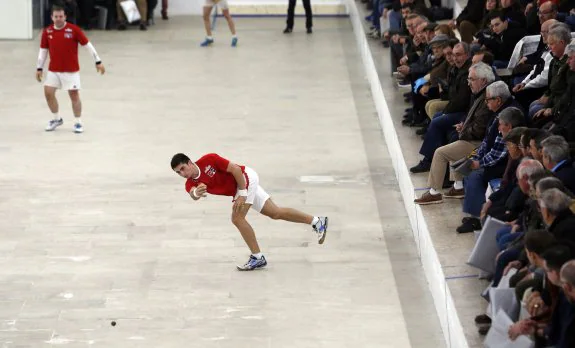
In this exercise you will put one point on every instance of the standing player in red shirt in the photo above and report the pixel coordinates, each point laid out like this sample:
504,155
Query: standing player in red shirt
61,40
218,176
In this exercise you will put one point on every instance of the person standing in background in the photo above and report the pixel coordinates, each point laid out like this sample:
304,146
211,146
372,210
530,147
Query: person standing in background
290,16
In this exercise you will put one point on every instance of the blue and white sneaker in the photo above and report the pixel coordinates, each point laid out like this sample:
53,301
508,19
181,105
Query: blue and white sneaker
78,128
253,263
53,124
207,42
234,42
320,229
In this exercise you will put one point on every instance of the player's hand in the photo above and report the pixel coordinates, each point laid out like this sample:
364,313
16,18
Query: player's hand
39,76
101,68
239,204
198,192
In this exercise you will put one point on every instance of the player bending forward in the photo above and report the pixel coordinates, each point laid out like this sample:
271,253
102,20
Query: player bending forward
218,176
61,40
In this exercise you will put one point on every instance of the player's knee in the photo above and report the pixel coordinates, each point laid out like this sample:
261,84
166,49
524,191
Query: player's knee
206,16
276,214
237,218
74,95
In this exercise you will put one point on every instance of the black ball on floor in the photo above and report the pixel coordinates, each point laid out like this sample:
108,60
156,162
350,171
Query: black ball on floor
113,323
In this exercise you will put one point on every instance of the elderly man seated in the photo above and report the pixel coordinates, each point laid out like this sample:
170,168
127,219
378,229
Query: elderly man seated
490,160
471,133
556,159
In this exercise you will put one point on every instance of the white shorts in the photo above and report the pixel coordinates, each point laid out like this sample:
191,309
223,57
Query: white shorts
257,196
63,80
223,4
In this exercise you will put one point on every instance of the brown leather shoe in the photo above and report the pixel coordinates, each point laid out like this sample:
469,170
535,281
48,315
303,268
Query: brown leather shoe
454,193
428,198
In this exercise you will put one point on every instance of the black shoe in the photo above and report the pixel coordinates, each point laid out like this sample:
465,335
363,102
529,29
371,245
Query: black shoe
385,43
121,27
421,131
484,330
470,225
143,27
288,30
309,31
482,319
422,167
417,124
409,110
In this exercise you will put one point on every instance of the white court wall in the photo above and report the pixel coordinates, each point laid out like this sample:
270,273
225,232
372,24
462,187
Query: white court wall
255,7
16,19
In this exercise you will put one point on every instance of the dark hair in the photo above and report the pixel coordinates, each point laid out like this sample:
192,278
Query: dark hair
538,135
58,8
557,254
514,135
538,176
178,159
526,136
497,14
537,241
488,57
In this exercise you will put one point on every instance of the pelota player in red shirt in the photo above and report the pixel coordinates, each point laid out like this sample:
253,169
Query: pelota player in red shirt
61,40
218,176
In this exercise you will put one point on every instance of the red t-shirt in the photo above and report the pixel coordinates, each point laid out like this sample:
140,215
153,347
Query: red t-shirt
63,47
213,173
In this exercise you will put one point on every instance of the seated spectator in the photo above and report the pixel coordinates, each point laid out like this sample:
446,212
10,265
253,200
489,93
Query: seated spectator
440,92
470,133
539,14
563,320
562,119
459,94
503,40
469,20
490,159
445,30
507,203
558,39
535,83
556,212
547,306
483,56
556,159
514,13
535,148
142,8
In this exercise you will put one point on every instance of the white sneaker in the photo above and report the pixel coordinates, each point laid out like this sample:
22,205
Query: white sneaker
78,128
53,124
320,229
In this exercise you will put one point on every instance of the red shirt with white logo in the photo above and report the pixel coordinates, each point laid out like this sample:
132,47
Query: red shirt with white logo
63,47
213,173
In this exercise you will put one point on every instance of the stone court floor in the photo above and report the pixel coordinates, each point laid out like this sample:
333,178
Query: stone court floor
96,227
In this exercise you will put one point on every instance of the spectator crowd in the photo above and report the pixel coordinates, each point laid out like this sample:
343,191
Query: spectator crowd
86,13
492,96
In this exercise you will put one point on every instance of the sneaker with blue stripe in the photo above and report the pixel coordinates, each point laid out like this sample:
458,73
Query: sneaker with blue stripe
253,263
320,229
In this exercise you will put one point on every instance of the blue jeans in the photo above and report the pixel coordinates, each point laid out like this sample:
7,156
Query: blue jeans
438,131
533,108
504,259
500,64
504,237
394,20
475,187
375,14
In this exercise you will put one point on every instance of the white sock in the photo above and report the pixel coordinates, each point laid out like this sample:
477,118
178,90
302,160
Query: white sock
258,255
55,116
209,38
234,36
78,120
315,220
433,191
458,185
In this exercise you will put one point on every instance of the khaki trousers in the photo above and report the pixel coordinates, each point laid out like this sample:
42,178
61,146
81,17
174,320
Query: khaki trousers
434,106
441,158
142,8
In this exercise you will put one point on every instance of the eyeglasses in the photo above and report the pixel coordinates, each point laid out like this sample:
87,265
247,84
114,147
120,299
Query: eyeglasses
488,99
